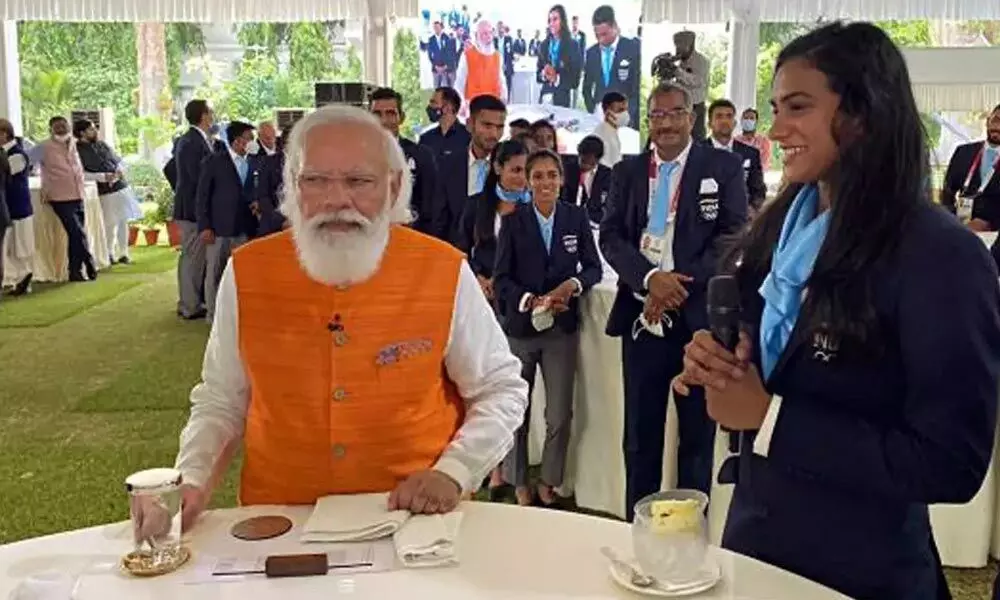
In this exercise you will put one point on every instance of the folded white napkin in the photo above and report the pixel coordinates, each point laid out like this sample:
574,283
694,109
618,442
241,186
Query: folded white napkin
354,518
428,540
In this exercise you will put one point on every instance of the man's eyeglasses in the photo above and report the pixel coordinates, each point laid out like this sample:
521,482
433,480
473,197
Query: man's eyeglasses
677,114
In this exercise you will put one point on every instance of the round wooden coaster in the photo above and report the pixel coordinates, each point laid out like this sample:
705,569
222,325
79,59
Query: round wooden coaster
261,528
141,564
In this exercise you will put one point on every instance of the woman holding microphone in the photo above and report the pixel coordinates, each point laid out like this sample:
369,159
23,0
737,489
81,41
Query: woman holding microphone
866,382
546,258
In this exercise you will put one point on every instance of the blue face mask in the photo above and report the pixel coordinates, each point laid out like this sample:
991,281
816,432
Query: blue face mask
749,125
518,197
214,129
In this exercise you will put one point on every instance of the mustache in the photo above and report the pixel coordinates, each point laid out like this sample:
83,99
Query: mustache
340,217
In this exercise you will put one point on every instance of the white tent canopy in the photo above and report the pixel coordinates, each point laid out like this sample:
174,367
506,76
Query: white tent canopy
203,11
954,79
721,11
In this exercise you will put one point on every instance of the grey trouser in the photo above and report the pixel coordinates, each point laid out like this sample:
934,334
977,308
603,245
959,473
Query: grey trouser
190,270
445,78
217,256
556,352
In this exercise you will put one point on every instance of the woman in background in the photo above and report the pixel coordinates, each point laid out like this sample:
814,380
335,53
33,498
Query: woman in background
560,61
4,211
544,134
546,258
866,387
505,188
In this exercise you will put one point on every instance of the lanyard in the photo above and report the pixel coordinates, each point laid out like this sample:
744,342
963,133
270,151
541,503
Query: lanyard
654,179
975,167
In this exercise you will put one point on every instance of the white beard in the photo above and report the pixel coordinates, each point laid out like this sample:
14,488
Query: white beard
338,258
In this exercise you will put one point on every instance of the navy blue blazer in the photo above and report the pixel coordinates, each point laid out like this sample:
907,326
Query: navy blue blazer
524,266
481,252
753,171
190,151
698,236
223,202
593,202
451,197
863,444
267,193
626,76
441,54
569,66
423,172
988,206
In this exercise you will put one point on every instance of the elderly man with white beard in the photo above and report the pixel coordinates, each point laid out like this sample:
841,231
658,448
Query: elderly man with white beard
350,354
480,69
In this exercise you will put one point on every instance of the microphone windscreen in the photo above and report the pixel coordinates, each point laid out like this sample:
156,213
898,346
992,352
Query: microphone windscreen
723,293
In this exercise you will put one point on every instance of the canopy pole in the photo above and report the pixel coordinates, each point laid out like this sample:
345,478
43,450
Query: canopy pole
744,42
10,76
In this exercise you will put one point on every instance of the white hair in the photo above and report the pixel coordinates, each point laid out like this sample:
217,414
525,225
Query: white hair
336,114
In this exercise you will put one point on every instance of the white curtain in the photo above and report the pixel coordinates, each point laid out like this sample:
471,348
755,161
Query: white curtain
954,79
719,11
231,11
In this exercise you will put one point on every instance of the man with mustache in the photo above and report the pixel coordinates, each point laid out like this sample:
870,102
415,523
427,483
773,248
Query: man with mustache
971,184
481,69
377,364
668,212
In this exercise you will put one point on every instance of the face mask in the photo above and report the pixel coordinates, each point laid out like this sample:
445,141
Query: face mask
749,125
657,329
253,147
214,129
434,114
541,318
621,119
520,197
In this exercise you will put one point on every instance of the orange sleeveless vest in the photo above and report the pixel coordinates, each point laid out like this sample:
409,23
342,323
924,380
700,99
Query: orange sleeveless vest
348,389
484,74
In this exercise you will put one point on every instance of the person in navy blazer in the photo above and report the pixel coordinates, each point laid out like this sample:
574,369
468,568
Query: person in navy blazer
559,60
721,124
588,182
505,188
624,71
441,51
865,386
546,258
968,166
663,267
268,183
464,173
225,196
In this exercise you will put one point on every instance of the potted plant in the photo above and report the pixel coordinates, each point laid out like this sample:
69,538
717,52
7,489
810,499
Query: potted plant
164,198
133,232
157,218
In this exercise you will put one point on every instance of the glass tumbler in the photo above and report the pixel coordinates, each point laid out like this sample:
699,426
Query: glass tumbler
672,550
155,508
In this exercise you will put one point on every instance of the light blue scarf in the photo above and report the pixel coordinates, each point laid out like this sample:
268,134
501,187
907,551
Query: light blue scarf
802,235
518,197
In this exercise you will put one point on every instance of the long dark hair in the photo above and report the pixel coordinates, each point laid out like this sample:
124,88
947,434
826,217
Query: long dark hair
877,182
565,35
486,211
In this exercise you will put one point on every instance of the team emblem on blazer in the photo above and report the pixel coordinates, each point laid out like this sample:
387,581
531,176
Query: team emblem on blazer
623,68
708,209
393,353
412,164
825,347
570,243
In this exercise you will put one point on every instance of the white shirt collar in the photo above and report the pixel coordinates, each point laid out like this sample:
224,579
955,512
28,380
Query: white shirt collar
681,159
9,145
269,151
236,157
472,157
716,143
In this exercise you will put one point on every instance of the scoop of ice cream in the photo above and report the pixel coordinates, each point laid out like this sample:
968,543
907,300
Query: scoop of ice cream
675,516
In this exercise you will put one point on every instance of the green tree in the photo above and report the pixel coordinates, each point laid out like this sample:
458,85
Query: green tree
406,81
310,50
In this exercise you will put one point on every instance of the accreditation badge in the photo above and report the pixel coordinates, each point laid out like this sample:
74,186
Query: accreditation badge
652,247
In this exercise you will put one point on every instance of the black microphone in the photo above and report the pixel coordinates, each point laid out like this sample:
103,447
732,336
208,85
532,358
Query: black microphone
724,310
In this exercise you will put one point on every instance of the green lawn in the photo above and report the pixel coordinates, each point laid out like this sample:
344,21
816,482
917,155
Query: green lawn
94,382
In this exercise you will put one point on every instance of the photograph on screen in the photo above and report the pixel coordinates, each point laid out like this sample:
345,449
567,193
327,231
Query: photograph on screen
553,62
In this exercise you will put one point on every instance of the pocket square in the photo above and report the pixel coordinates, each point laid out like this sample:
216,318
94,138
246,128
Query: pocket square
746,163
397,351
708,186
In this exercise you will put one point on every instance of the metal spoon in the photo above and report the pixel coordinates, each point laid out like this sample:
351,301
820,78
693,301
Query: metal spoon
638,579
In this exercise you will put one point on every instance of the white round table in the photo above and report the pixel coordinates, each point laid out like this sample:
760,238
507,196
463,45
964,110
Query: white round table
505,552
